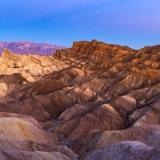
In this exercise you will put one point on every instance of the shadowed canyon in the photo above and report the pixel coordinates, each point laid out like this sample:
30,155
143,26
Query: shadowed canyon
93,101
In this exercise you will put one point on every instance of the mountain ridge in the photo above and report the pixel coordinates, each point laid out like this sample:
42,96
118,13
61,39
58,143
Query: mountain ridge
26,47
88,102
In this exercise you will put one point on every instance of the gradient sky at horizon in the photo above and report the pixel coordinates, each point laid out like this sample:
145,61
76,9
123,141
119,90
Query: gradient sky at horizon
134,23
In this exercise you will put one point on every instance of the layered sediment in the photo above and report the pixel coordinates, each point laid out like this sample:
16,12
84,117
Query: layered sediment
92,101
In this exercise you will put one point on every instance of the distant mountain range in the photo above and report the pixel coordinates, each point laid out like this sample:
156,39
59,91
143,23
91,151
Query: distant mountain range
23,47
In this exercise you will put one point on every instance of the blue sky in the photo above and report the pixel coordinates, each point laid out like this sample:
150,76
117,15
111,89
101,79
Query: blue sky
135,23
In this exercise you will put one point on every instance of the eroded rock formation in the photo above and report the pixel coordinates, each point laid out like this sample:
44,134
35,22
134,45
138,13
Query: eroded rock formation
92,101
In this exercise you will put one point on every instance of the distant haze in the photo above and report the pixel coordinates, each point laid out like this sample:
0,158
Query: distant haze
23,47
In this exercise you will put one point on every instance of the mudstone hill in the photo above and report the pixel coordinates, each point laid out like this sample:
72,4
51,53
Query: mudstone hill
93,101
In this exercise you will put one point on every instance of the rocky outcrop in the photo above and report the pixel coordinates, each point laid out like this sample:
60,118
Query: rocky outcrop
126,150
91,101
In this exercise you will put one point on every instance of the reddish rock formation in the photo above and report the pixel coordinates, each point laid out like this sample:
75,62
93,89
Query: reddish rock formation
94,99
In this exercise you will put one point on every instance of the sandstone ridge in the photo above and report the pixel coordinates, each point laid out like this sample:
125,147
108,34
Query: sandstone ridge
89,102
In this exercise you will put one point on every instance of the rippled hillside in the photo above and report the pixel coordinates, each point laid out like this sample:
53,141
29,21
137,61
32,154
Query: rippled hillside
94,101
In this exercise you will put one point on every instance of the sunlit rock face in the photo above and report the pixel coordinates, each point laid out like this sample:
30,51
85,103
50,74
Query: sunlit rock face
92,101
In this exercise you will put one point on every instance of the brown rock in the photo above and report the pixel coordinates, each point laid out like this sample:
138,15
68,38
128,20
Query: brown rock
92,96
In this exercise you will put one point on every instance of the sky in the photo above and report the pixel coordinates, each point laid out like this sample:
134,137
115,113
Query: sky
135,23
